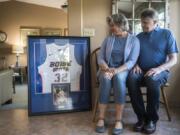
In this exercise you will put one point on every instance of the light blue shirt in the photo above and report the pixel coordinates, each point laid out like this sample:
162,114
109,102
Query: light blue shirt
117,55
131,51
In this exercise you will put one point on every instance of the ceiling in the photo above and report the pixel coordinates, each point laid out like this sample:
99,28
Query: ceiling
47,3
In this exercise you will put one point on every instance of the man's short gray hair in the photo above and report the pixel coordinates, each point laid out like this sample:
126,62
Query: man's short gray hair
120,20
150,13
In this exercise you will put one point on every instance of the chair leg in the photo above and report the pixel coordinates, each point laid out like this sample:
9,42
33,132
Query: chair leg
166,103
95,108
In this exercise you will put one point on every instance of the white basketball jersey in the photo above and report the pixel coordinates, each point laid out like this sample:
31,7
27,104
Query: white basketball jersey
59,67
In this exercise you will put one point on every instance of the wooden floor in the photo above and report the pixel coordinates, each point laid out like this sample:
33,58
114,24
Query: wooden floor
17,122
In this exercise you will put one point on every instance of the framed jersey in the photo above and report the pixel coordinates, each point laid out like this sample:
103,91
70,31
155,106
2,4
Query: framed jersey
58,74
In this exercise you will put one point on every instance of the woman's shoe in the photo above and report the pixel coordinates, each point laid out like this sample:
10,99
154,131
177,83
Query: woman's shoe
100,129
117,131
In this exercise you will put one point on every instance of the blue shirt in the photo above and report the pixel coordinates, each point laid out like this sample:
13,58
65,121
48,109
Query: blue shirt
131,51
154,48
117,55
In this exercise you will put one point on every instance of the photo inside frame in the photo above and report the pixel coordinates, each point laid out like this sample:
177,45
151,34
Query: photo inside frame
61,95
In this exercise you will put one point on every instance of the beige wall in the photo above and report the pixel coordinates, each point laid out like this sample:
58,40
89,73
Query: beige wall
91,14
94,16
173,91
75,17
14,14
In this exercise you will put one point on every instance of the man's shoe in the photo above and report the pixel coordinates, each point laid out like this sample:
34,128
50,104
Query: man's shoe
138,127
150,127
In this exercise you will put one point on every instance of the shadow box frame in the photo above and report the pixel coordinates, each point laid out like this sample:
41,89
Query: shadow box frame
50,93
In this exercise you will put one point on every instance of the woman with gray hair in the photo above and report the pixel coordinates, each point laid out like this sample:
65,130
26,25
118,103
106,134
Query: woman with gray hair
118,54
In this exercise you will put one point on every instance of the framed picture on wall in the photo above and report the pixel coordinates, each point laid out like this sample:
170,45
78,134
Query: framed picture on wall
27,31
59,74
52,32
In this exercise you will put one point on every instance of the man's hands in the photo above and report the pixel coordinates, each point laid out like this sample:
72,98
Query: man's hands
151,72
137,69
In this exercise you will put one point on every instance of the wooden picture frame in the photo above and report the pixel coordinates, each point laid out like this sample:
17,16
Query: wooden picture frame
28,31
51,32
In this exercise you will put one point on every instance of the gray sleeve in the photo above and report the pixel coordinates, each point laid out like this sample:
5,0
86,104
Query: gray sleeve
101,55
134,54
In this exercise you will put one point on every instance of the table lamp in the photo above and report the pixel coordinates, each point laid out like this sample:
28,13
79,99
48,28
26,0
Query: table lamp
17,49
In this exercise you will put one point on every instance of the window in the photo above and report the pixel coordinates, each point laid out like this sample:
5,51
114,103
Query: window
133,8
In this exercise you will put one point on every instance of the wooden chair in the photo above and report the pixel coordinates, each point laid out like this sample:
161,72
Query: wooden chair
95,85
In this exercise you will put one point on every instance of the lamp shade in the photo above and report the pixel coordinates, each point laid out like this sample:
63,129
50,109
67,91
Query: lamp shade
17,49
